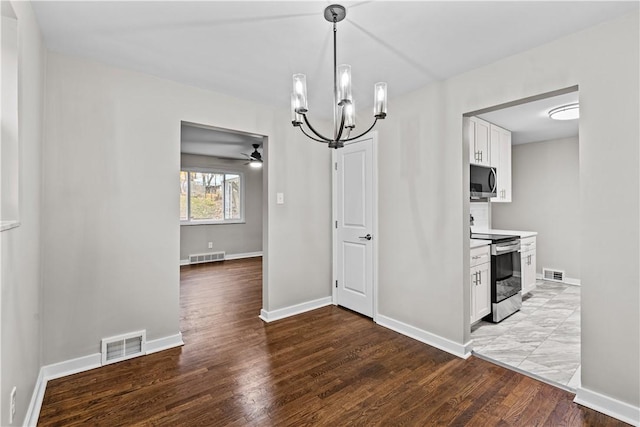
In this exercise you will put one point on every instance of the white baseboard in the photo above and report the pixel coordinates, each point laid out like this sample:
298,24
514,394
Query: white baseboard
33,410
184,262
567,280
281,313
609,406
572,281
245,255
444,344
165,343
72,366
82,364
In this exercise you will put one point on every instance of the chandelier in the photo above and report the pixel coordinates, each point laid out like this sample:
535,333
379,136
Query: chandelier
343,108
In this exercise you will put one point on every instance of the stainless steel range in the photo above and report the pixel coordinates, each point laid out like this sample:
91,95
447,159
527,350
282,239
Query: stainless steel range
506,275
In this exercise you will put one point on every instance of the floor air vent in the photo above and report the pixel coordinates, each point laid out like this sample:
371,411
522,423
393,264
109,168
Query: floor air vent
553,275
202,258
123,347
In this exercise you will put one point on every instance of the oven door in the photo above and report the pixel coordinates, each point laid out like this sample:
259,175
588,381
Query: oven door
506,271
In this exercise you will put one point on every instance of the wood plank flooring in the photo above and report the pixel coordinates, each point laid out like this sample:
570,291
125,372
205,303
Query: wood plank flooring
325,367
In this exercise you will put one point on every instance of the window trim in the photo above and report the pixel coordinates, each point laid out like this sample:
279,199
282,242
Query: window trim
223,171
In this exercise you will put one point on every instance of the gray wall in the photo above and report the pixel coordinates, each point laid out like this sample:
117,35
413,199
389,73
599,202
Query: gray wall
546,199
118,248
424,202
232,238
20,247
111,245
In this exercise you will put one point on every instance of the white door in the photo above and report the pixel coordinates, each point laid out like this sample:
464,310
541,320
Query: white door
355,204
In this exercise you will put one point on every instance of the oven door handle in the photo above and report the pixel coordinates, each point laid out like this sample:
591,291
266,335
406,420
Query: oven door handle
511,248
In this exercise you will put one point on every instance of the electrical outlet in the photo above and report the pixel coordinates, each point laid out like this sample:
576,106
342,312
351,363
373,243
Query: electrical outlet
12,405
210,245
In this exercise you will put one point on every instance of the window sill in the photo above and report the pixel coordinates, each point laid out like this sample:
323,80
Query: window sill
235,221
8,225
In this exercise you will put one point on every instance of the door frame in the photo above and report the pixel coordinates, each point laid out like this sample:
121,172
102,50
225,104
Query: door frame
334,218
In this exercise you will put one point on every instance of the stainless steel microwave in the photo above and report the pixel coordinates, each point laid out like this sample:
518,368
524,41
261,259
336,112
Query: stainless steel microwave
483,181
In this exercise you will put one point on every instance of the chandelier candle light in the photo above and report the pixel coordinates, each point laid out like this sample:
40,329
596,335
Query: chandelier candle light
343,109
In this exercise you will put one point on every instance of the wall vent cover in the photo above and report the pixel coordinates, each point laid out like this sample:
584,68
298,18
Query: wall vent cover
209,257
552,275
123,347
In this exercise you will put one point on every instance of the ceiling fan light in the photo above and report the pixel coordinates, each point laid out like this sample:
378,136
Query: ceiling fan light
565,112
255,164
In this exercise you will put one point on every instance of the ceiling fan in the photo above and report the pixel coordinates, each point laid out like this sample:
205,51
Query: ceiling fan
255,158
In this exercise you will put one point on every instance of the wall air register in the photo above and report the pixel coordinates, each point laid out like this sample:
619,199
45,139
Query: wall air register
209,257
123,347
552,275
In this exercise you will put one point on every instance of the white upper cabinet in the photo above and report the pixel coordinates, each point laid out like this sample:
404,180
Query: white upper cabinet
479,141
500,150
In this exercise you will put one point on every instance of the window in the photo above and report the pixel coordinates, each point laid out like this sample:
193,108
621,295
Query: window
210,197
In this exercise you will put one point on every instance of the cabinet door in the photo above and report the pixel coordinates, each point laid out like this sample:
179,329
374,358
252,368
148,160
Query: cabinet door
505,165
483,291
501,159
480,291
474,279
479,141
528,265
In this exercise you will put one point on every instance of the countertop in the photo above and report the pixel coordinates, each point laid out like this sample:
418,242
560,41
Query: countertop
522,234
476,243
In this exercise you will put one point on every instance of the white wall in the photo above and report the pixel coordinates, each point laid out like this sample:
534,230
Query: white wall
111,244
546,199
424,203
20,254
231,238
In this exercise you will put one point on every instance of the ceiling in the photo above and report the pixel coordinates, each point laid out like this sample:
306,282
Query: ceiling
250,49
207,141
530,122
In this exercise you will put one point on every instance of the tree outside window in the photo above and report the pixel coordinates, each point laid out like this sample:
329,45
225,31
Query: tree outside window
210,196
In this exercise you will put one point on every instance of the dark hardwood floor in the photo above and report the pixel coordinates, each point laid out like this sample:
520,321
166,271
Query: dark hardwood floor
325,367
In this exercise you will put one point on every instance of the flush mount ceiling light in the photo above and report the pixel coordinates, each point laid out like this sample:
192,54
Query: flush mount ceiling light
343,109
565,112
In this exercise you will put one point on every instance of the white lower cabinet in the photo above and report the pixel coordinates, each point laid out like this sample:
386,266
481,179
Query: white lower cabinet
528,264
480,283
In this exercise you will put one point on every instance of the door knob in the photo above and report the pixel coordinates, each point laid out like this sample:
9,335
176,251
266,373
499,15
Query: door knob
368,237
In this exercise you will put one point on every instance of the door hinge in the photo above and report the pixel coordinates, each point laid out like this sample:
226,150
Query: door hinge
336,283
336,165
336,224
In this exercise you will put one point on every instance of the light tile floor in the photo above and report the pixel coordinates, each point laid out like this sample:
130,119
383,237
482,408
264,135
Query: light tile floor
543,338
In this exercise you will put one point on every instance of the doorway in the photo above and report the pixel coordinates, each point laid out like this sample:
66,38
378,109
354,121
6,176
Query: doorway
222,188
355,226
542,339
